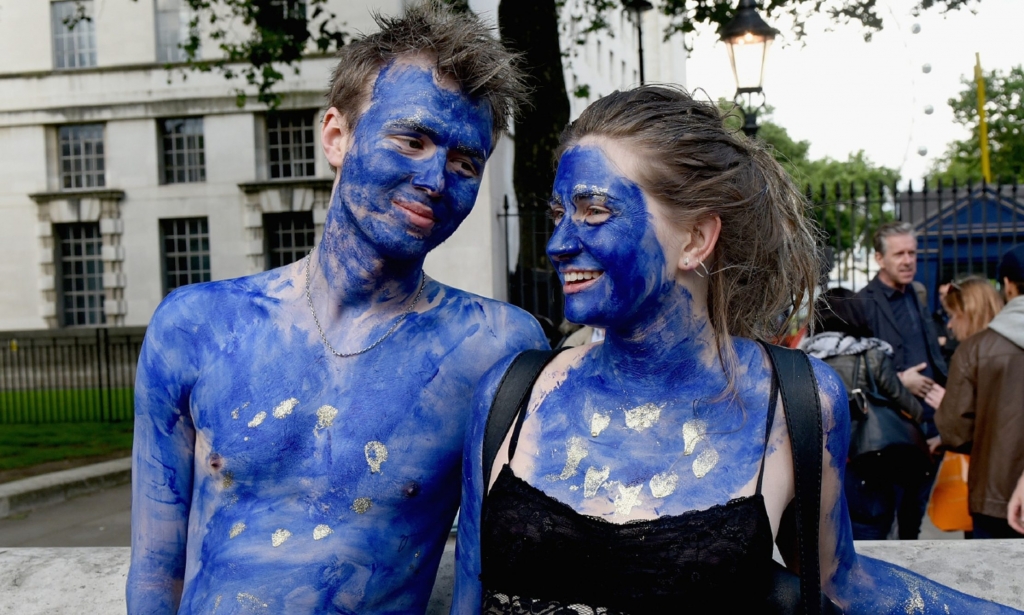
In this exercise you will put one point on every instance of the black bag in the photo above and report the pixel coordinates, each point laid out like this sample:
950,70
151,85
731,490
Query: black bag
799,391
882,438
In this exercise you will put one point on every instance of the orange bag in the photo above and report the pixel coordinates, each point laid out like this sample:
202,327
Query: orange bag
948,508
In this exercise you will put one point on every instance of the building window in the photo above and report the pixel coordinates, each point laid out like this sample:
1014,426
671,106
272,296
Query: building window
186,251
292,9
291,145
183,158
74,39
81,156
289,237
172,30
80,270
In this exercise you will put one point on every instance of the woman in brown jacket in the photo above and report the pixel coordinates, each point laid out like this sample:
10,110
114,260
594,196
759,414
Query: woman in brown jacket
982,412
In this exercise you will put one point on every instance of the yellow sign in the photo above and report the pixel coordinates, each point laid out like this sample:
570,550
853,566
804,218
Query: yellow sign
979,77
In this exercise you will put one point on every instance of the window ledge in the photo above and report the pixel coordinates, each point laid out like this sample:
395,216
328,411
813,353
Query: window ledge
138,66
103,194
314,183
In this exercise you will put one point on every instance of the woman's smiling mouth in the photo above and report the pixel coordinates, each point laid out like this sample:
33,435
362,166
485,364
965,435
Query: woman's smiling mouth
579,279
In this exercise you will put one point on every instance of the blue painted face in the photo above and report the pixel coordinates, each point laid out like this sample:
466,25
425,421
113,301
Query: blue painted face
604,247
413,170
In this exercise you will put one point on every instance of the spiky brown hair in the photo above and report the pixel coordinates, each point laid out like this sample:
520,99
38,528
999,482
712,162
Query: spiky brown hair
466,50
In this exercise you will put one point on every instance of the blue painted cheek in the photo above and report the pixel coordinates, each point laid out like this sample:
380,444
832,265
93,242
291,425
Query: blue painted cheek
624,247
638,260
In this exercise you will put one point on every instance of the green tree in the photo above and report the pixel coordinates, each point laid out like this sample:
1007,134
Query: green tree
279,35
847,196
275,35
812,174
1004,108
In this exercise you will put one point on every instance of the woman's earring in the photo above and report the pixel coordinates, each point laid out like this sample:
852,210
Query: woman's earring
686,262
705,267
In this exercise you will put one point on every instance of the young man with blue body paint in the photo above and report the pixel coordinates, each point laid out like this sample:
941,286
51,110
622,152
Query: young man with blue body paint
299,432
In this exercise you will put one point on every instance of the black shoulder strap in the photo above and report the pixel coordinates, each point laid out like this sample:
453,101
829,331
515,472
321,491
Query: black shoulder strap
799,391
513,391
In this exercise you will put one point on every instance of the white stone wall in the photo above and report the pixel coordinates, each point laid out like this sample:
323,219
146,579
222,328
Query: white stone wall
610,60
22,171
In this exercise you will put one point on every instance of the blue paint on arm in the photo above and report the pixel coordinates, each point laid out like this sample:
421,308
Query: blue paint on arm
162,460
468,591
859,584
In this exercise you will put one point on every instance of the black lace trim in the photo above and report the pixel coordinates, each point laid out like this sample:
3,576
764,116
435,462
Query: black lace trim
502,604
535,546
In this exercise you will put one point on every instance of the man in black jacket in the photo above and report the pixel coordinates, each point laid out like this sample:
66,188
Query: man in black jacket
896,316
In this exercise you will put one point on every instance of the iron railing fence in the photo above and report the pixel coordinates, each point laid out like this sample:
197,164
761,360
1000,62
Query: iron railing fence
68,375
962,230
532,283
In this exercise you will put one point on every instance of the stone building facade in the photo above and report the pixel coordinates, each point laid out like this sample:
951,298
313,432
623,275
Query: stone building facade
122,178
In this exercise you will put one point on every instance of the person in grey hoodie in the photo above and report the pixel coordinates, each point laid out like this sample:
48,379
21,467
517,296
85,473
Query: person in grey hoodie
982,412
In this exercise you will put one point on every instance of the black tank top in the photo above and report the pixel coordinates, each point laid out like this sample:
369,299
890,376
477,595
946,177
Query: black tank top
539,556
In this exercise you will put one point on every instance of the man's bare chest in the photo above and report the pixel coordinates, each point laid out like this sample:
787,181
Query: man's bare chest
356,436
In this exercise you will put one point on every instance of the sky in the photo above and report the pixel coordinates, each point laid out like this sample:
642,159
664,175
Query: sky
844,94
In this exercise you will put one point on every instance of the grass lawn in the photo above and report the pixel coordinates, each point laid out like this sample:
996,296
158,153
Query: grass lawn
24,445
62,405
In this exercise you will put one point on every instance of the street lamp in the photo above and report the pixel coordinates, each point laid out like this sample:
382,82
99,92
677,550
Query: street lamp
637,8
748,38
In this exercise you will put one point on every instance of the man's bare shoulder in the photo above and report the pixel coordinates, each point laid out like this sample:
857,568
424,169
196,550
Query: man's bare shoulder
487,321
222,302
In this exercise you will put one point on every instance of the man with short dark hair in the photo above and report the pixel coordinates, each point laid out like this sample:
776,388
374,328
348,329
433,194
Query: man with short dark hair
895,315
982,412
298,433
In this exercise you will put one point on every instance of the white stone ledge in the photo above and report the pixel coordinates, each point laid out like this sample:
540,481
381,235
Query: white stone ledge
74,581
990,569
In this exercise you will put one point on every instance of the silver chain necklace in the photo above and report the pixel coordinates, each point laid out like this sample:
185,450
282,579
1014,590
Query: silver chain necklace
323,336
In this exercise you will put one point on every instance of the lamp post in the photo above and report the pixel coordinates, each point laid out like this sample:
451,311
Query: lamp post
748,38
637,8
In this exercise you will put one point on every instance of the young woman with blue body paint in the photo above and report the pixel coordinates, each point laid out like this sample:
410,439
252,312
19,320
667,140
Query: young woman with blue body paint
646,475
271,475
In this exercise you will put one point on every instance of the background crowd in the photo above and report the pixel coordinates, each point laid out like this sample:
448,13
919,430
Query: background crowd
927,390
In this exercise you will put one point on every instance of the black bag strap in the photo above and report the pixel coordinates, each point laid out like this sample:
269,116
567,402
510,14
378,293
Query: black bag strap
872,386
856,367
799,390
512,393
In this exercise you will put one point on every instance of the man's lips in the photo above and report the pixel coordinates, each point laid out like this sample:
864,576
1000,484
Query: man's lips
576,280
421,216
